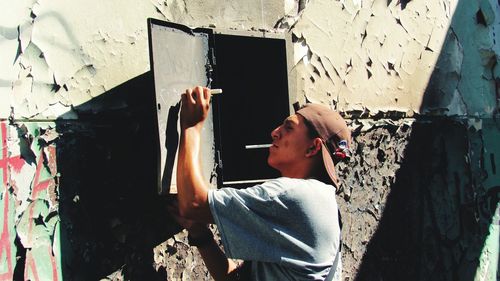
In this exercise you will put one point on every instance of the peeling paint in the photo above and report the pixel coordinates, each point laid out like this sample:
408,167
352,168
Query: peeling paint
63,41
436,194
30,203
358,35
419,81
222,14
81,55
386,64
7,236
488,262
179,260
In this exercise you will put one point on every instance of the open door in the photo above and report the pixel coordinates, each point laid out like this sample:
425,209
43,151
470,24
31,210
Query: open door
252,72
180,58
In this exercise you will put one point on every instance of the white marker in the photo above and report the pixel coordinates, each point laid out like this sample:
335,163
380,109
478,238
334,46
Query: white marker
215,91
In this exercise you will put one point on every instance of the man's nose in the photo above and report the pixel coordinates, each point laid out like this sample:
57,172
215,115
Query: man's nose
275,133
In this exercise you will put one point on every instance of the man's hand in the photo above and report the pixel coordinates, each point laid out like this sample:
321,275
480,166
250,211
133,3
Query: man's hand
195,104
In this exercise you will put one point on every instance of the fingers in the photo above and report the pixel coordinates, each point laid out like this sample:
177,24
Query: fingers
206,93
197,95
189,96
201,95
195,106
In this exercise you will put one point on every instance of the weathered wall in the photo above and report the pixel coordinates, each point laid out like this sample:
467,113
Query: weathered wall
417,207
419,82
421,198
29,202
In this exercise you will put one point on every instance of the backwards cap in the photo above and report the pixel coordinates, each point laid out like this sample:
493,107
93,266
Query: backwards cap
334,133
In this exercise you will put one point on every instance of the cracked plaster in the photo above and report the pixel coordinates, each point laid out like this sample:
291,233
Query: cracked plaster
371,62
374,57
28,171
358,56
62,54
355,60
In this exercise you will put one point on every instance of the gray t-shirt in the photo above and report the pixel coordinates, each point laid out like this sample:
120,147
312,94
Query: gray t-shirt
287,227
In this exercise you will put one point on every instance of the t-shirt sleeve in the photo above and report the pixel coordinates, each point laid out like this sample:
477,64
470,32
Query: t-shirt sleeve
248,221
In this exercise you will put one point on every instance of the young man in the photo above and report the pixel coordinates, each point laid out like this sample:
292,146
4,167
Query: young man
284,229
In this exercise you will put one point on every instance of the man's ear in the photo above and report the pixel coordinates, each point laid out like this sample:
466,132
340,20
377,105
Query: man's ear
315,147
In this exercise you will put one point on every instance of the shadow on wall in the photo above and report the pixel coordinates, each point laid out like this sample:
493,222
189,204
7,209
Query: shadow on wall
111,215
436,217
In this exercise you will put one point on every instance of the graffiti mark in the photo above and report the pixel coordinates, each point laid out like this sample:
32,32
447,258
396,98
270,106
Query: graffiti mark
38,185
54,264
13,164
30,264
31,267
5,244
7,162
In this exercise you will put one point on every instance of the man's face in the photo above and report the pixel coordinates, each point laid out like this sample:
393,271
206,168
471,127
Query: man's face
290,144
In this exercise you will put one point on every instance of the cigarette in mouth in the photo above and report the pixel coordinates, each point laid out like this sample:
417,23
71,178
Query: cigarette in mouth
257,146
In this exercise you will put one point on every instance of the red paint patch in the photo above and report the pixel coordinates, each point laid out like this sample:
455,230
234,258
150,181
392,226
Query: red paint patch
5,242
30,265
54,265
5,245
40,186
16,163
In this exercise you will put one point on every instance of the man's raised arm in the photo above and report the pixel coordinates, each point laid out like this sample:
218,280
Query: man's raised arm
191,187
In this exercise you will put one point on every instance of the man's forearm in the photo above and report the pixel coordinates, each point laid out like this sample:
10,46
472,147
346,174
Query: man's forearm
216,261
191,188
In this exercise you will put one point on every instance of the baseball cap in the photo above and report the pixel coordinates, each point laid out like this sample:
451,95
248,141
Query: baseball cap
334,133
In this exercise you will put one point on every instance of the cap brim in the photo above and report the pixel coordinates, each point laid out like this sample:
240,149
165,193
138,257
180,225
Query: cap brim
329,166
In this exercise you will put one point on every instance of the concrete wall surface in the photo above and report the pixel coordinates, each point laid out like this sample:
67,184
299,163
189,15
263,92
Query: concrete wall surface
418,81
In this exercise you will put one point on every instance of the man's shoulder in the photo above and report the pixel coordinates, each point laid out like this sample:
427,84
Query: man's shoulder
303,184
283,187
295,187
286,181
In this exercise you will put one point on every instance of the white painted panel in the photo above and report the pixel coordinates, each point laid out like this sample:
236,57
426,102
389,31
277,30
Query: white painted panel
179,62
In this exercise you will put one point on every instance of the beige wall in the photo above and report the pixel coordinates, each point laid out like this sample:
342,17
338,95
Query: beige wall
357,55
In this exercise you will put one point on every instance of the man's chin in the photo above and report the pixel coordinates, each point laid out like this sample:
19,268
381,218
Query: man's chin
271,164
